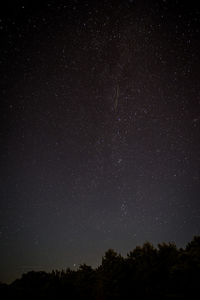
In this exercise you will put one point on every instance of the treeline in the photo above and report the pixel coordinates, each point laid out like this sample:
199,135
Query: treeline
164,272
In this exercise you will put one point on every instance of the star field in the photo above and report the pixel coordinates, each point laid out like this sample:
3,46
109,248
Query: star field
100,129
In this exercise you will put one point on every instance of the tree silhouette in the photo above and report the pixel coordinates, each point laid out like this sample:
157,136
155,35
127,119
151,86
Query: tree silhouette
142,263
147,272
111,273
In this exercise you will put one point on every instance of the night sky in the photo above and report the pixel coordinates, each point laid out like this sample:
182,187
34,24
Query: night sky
100,129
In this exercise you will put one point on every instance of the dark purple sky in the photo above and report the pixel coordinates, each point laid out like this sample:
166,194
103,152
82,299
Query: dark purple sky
100,135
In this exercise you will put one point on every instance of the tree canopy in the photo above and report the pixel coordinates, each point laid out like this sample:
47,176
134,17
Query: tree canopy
148,272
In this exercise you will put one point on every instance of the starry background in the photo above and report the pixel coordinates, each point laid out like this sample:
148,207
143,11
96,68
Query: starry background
100,127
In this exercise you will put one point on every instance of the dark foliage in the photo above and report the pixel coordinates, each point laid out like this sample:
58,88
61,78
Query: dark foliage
164,272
